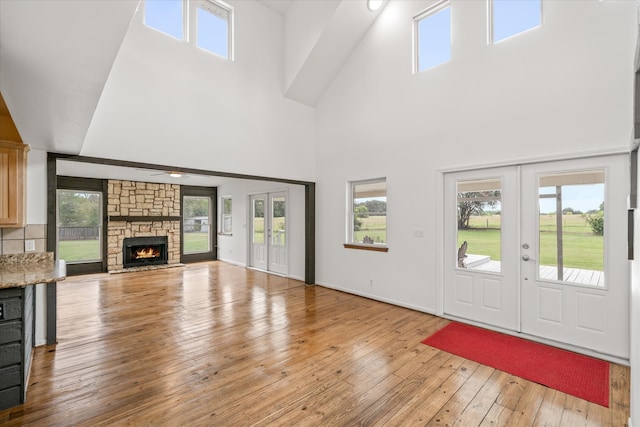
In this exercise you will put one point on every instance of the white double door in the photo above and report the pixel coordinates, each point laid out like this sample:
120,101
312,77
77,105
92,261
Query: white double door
268,232
534,260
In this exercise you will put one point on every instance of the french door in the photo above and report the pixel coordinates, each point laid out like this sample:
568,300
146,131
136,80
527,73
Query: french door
268,236
574,273
545,250
481,247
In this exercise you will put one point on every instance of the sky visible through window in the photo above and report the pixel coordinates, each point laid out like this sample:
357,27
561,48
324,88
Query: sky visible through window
165,16
583,198
213,33
434,39
511,17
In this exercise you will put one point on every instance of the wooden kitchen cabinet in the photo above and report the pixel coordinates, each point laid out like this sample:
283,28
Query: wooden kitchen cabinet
13,174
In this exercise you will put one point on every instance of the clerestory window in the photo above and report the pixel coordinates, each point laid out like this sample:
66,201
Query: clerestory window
511,17
206,24
432,29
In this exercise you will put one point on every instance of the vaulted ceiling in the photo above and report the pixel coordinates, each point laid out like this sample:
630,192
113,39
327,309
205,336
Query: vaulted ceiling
56,57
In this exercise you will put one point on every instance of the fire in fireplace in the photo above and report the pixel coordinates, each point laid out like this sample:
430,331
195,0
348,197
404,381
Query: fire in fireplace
142,251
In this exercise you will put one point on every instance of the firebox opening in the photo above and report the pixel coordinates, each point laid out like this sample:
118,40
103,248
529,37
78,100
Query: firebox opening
141,251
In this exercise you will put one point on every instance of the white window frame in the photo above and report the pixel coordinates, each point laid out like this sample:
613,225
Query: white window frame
491,22
351,242
190,23
437,7
223,215
218,8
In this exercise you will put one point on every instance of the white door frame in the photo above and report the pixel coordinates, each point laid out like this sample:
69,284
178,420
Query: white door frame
440,238
269,268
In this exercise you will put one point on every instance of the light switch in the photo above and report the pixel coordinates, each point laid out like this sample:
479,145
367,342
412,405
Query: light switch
418,233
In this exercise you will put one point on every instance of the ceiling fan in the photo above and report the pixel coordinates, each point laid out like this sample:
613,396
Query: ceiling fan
174,173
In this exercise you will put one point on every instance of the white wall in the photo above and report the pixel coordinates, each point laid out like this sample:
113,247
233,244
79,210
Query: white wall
37,187
233,248
303,27
37,214
563,88
635,326
181,106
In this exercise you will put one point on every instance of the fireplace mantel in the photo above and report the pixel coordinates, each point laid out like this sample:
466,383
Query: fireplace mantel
141,218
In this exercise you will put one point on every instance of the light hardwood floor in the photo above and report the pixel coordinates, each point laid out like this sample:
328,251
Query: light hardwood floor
216,344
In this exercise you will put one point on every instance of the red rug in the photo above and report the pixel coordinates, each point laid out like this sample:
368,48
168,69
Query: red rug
568,372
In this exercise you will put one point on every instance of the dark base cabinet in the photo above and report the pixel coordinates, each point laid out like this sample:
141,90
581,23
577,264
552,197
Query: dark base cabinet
16,344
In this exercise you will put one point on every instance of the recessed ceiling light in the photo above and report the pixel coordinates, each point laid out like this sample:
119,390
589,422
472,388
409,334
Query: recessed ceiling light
374,4
175,174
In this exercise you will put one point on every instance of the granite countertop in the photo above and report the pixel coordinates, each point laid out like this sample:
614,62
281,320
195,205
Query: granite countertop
21,270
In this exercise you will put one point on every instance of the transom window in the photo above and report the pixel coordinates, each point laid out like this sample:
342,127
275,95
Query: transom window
432,30
206,24
368,212
511,17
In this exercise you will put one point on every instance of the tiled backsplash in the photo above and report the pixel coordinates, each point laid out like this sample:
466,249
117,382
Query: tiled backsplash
16,240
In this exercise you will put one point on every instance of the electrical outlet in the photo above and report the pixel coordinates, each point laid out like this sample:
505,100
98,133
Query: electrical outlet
29,245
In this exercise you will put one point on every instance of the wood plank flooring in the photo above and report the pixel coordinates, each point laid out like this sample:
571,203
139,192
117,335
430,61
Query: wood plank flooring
211,344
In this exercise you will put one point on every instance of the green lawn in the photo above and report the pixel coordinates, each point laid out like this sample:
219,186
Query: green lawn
258,230
196,242
582,249
89,250
79,250
374,227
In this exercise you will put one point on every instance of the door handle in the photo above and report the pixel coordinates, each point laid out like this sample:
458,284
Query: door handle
527,258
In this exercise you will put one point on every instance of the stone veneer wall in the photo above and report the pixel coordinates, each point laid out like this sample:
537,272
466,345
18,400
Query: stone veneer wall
129,198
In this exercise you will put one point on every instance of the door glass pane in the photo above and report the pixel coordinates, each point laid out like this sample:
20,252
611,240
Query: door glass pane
278,216
571,227
196,217
79,226
479,225
258,221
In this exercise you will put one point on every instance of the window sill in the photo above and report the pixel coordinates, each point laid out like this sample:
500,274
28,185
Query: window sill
366,247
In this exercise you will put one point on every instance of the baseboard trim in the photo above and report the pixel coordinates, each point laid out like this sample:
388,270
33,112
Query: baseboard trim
228,261
378,298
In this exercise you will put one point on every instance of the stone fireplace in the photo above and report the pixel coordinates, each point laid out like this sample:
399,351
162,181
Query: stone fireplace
142,209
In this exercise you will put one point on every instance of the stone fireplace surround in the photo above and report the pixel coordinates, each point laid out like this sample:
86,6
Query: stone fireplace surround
141,209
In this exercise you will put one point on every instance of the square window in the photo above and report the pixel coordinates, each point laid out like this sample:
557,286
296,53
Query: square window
433,37
511,17
368,212
225,215
166,16
213,28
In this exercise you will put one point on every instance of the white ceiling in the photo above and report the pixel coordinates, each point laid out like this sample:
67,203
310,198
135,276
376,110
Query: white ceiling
280,6
56,58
